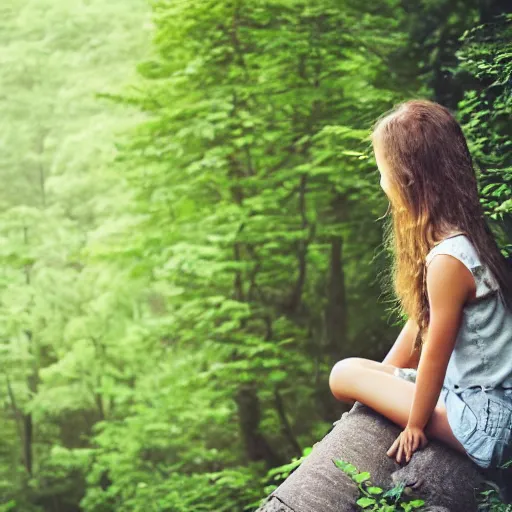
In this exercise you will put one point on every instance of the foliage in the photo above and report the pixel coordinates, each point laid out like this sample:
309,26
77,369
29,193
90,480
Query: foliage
486,55
185,257
389,501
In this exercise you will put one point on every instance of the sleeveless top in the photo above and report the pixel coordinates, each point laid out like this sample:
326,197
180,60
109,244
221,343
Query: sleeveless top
482,355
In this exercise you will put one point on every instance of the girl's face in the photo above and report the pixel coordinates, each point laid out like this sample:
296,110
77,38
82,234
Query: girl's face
385,172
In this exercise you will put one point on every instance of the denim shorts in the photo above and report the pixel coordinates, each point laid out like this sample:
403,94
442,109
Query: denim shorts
480,420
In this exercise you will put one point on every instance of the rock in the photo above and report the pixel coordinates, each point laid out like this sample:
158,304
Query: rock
447,480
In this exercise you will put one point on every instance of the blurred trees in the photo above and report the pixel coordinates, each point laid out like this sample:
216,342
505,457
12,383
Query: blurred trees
183,260
61,315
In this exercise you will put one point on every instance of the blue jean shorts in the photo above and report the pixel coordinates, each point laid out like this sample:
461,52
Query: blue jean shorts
480,420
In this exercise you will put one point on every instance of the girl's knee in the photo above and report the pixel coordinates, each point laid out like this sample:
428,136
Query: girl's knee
342,373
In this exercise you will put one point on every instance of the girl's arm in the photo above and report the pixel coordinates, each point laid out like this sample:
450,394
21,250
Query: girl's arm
449,284
400,354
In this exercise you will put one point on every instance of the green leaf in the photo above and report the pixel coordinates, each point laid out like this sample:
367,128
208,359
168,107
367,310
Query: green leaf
361,477
346,467
365,502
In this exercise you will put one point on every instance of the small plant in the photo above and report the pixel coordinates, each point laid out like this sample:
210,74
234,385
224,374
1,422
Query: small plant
374,498
489,500
283,472
506,465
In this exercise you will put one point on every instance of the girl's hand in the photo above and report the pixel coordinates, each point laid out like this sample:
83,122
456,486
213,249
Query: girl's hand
409,440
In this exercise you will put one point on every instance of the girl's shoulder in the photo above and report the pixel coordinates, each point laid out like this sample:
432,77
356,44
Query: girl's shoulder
458,246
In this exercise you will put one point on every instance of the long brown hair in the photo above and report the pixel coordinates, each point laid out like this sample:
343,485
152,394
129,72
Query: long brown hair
432,175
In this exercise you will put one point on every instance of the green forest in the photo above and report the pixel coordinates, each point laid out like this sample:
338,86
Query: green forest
191,230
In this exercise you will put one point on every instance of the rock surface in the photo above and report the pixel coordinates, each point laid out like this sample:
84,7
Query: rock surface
447,480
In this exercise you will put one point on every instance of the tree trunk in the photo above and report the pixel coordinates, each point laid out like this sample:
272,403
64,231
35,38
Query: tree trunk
336,310
256,445
444,478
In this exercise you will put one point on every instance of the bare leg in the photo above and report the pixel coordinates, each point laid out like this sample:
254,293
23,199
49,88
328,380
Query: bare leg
373,384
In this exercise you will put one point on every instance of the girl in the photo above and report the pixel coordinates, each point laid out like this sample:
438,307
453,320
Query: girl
455,287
